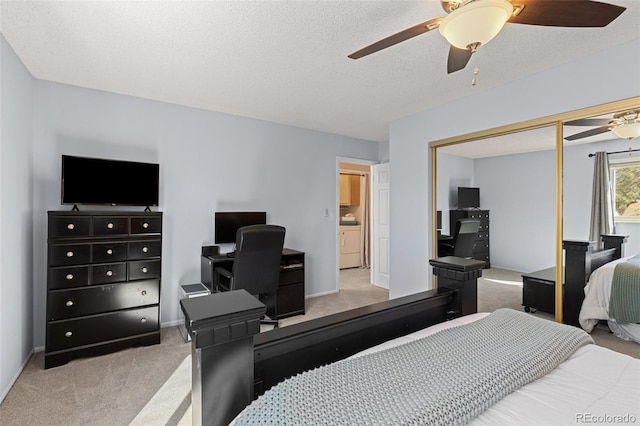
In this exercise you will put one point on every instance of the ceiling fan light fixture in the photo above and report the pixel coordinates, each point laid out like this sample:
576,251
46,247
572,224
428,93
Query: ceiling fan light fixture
475,23
629,130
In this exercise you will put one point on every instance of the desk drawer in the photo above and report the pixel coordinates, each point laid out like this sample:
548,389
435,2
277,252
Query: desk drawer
66,334
103,298
290,300
291,276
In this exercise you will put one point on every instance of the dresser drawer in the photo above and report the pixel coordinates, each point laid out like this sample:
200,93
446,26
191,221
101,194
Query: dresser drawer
145,249
68,276
482,236
66,334
479,214
144,269
101,298
106,225
108,252
146,225
69,254
108,273
480,246
68,226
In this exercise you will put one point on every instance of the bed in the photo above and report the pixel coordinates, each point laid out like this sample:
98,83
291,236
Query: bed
589,384
596,304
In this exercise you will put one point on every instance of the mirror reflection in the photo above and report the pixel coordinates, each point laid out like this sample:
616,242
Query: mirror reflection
511,180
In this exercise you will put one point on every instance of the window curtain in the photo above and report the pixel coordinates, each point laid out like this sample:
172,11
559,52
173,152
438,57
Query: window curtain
602,200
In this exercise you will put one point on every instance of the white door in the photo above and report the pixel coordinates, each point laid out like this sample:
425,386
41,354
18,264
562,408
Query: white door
380,228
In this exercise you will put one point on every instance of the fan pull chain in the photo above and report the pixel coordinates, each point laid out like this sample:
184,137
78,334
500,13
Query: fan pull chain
476,70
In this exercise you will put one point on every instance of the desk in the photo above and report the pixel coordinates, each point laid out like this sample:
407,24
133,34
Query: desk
446,239
289,299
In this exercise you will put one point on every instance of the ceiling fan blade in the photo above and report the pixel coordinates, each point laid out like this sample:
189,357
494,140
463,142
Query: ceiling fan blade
588,133
589,122
396,38
458,59
566,13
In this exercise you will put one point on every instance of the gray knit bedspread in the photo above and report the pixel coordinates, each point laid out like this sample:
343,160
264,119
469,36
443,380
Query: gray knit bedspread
624,300
444,379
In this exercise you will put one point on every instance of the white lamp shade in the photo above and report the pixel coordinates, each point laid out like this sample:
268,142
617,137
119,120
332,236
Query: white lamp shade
477,22
627,131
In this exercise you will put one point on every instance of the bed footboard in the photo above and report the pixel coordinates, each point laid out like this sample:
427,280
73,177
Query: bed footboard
232,362
581,259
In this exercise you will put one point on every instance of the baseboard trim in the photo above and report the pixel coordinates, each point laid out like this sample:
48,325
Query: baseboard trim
324,293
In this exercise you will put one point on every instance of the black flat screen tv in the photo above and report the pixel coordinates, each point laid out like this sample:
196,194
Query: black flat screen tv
468,197
226,224
100,181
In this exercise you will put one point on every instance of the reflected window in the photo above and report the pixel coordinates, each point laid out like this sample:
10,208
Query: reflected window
625,179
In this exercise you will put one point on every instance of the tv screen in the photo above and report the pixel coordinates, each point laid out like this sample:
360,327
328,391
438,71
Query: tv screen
227,223
109,182
468,197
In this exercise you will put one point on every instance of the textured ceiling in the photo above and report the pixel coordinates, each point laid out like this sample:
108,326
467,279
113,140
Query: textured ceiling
282,61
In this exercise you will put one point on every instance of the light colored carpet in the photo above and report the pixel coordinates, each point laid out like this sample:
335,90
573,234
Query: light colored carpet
151,385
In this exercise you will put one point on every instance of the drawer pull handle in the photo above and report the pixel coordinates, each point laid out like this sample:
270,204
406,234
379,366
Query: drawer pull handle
109,273
145,269
69,303
70,226
145,249
109,251
143,319
144,292
69,277
145,225
110,225
68,334
69,254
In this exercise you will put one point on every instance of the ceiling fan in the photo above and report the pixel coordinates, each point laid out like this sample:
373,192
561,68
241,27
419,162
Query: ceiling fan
472,23
625,125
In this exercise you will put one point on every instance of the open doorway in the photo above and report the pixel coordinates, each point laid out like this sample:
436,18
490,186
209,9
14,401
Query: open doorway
355,246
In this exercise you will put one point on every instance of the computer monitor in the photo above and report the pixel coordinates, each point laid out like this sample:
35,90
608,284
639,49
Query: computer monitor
226,224
468,197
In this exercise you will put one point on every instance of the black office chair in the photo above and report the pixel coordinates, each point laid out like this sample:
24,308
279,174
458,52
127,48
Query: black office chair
256,265
463,241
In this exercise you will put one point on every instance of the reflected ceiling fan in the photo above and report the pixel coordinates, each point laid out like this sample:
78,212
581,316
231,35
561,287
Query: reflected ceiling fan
473,23
625,125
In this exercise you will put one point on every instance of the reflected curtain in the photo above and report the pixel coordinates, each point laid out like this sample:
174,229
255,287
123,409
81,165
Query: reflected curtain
365,243
602,200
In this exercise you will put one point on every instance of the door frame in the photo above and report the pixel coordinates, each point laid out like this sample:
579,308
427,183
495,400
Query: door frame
336,232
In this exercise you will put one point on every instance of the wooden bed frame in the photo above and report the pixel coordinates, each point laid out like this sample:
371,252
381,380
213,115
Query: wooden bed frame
581,259
232,362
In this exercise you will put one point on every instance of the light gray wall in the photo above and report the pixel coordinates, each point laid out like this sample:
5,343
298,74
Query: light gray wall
16,211
520,192
604,77
208,161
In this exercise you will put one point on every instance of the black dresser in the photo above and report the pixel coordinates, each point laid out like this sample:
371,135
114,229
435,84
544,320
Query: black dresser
103,282
481,249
